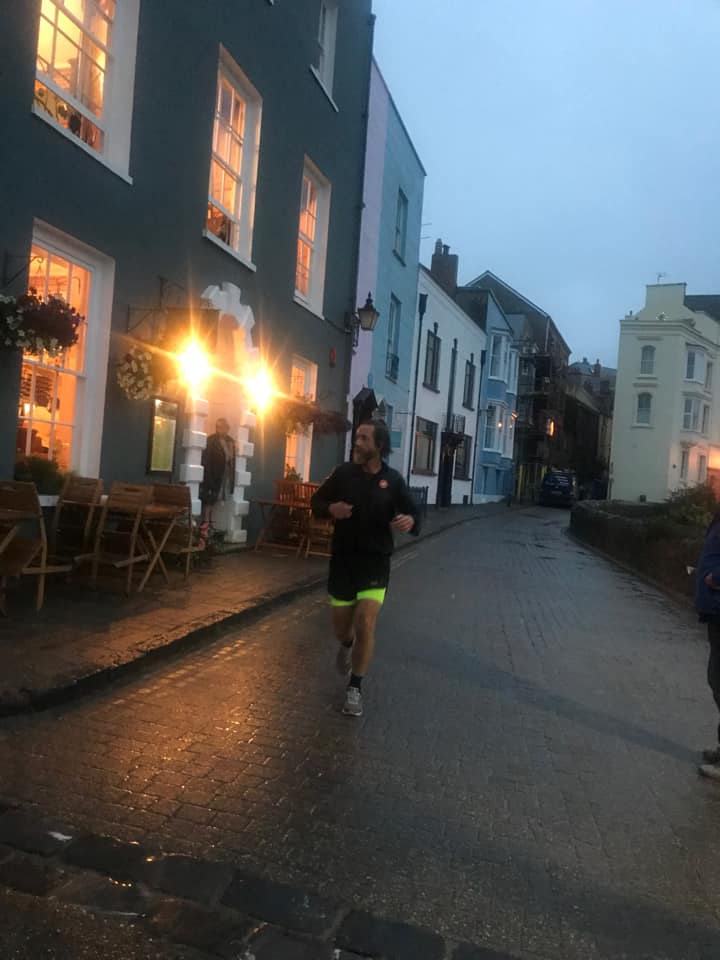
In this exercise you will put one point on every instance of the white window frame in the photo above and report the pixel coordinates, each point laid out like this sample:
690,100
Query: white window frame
327,42
242,218
705,423
313,299
697,373
493,429
684,464
702,468
643,422
118,93
401,221
301,443
496,356
709,367
647,361
691,414
90,388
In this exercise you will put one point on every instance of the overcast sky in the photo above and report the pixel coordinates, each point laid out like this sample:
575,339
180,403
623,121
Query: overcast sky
572,146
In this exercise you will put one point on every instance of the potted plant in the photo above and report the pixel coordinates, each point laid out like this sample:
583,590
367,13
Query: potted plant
38,326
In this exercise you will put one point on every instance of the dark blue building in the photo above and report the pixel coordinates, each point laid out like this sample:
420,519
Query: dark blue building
170,166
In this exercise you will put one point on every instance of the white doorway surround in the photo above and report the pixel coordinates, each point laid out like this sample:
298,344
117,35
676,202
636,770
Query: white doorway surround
235,359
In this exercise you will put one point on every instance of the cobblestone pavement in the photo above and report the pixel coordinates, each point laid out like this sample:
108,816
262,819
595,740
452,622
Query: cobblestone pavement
524,776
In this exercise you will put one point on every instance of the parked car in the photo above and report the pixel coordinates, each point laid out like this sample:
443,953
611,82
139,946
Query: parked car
558,487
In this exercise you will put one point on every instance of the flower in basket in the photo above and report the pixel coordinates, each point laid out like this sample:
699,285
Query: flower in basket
300,413
134,374
36,325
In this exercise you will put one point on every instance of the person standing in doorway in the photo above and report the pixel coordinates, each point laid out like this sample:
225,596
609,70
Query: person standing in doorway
707,601
369,501
218,459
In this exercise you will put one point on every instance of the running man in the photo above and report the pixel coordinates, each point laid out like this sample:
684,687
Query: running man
368,501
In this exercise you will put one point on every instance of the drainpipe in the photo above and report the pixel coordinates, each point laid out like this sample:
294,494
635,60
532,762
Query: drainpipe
451,393
422,307
483,355
365,115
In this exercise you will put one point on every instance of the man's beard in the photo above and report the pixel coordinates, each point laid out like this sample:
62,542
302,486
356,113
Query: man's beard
361,456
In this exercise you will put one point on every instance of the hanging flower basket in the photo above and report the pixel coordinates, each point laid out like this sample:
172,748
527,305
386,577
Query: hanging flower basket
143,373
299,415
38,326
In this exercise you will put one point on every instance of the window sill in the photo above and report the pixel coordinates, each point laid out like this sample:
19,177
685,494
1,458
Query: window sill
429,386
424,473
399,256
314,72
492,450
647,376
229,250
391,379
467,406
642,426
306,306
79,143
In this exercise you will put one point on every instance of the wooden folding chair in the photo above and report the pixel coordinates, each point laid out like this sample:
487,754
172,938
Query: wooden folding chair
25,556
182,541
117,540
72,526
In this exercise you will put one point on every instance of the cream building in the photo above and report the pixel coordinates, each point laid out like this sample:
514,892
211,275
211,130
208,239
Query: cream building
666,427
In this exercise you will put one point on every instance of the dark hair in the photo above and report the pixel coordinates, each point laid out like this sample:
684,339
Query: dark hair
381,436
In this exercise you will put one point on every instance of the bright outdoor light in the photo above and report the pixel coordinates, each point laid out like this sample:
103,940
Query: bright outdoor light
194,365
260,390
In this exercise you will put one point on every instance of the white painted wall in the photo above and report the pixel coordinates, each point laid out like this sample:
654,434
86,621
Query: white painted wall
452,323
646,460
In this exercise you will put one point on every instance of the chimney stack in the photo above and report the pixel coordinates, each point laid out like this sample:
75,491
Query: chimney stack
444,268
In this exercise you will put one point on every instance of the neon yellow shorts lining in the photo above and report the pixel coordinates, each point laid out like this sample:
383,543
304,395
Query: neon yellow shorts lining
377,595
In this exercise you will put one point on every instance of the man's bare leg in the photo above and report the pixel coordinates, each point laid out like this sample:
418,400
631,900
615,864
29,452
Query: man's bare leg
343,626
366,614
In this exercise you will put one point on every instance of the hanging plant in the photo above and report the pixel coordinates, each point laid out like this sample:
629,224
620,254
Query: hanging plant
298,415
143,373
38,326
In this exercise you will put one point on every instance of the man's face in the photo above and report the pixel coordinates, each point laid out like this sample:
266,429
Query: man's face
222,427
364,449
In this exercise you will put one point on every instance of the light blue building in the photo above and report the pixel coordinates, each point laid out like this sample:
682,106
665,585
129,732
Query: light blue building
495,455
383,365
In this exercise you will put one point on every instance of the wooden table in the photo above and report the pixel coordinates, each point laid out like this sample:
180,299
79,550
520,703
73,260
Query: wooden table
268,508
152,512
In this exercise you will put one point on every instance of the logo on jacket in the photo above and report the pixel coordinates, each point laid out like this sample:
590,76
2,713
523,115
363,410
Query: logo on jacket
383,484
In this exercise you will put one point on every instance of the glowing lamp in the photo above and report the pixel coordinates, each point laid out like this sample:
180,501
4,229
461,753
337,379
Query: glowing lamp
260,390
194,365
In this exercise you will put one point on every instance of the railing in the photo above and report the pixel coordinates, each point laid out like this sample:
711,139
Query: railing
420,496
454,423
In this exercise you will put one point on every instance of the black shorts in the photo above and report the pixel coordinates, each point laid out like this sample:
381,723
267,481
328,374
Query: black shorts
353,573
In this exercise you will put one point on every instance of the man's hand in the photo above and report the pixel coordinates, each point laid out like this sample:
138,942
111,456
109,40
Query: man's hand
710,583
340,510
403,523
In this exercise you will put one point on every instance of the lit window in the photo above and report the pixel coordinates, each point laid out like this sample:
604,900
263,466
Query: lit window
85,70
401,217
233,166
644,408
312,238
298,445
62,399
327,33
